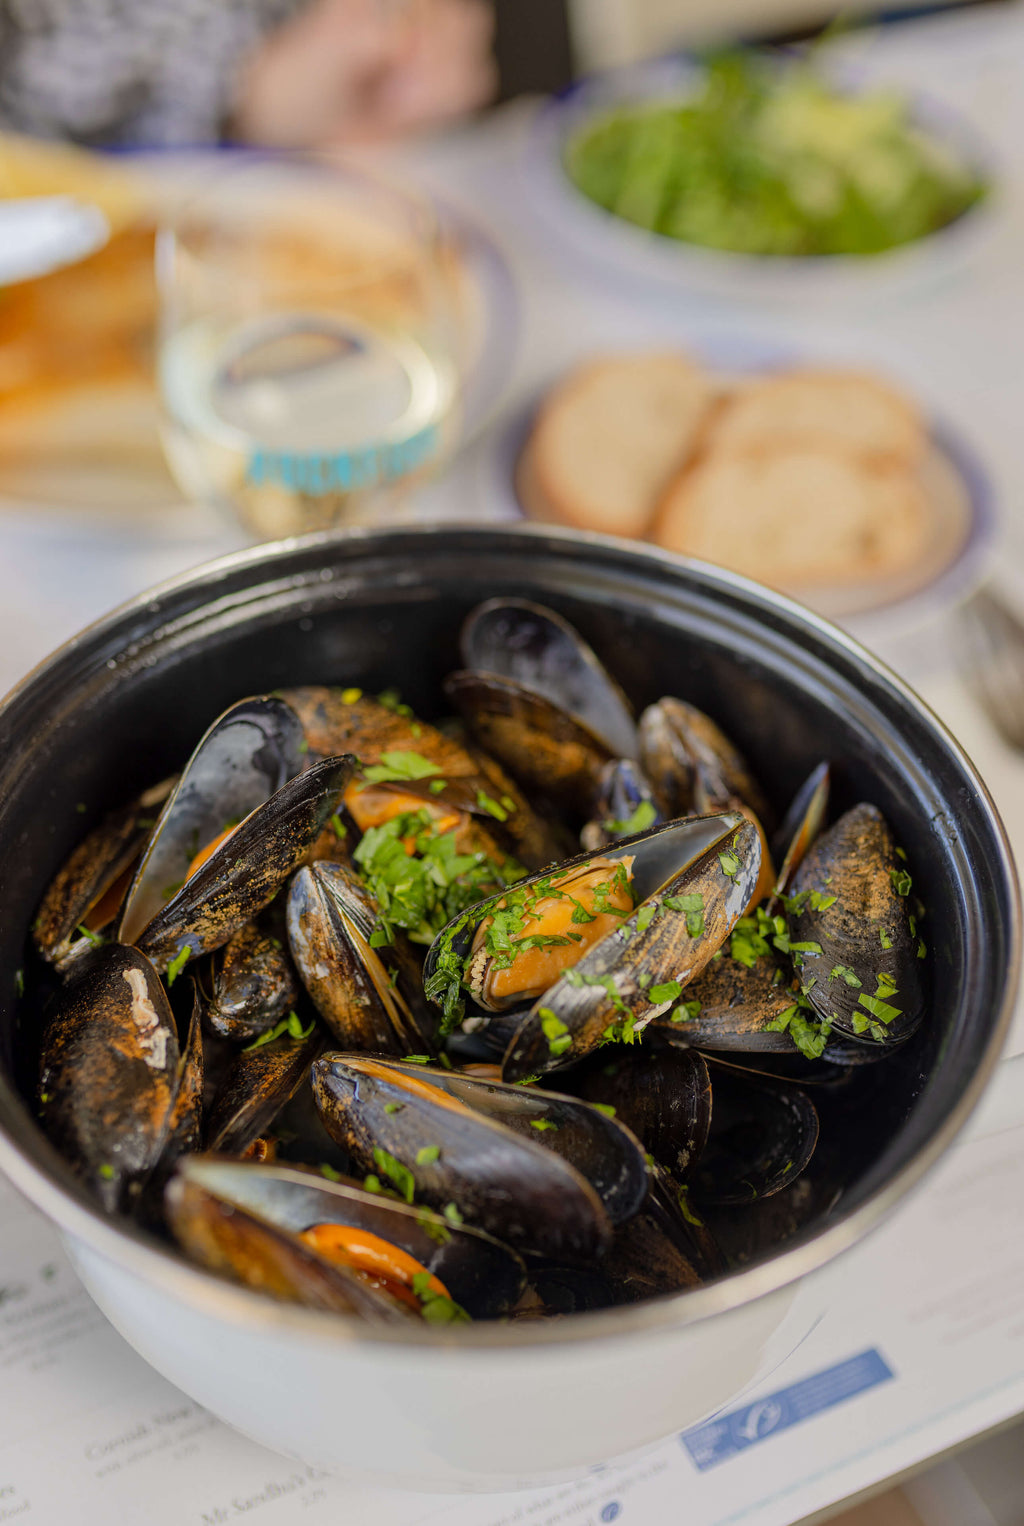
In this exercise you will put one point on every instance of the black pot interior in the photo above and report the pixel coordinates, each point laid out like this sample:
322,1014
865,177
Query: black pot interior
125,705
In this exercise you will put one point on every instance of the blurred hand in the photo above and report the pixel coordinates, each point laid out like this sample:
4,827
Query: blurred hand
358,71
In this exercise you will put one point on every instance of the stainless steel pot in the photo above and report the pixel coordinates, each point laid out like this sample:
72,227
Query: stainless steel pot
494,1406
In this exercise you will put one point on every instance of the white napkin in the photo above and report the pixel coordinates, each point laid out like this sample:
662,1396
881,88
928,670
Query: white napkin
41,233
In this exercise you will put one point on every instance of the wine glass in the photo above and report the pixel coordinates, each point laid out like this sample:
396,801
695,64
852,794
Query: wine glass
307,345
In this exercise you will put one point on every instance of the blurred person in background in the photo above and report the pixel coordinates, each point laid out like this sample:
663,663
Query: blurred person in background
280,73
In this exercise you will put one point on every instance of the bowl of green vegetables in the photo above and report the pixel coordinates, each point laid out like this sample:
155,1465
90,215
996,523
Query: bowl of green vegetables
758,173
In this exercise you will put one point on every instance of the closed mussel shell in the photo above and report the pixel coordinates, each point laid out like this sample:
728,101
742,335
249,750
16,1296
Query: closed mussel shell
662,1095
255,985
801,824
691,762
860,951
109,1072
395,1122
763,1133
730,1005
257,1084
244,873
370,998
624,805
665,1248
483,1275
641,970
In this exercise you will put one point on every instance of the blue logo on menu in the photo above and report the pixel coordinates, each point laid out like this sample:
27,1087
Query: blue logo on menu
727,1435
611,1510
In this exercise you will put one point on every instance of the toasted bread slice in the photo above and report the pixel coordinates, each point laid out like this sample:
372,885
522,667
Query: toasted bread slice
797,518
838,410
610,437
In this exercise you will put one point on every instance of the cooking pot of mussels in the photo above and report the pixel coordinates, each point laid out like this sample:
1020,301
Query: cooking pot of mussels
467,992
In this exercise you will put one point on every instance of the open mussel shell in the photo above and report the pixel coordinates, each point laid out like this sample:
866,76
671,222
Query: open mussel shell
88,889
505,1177
243,759
860,950
692,764
185,1124
801,825
731,1005
109,1072
537,648
624,796
254,986
243,874
662,1095
228,1238
642,969
257,1084
483,1275
339,720
370,998
763,1133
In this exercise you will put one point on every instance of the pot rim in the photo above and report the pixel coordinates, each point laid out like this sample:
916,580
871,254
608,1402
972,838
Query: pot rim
213,1296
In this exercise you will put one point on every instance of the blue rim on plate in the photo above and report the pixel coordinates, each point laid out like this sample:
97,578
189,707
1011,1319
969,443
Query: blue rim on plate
630,252
906,606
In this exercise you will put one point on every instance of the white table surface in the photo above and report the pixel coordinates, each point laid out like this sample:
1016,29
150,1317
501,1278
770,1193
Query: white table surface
959,346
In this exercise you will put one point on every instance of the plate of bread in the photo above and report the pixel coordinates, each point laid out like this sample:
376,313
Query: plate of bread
828,484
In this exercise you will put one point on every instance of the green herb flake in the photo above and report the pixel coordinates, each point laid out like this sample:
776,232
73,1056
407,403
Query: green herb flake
683,1198
107,1172
340,830
436,1308
730,865
555,1031
843,972
605,1108
452,1214
685,1012
372,1183
290,1026
417,1059
400,1176
427,1154
329,1172
177,964
884,939
350,696
693,907
667,991
921,950
400,767
643,817
883,1011
645,916
492,807
540,1124
901,881
437,786
429,1224
393,1107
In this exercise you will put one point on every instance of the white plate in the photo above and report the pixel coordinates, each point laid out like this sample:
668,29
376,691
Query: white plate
963,529
43,233
639,257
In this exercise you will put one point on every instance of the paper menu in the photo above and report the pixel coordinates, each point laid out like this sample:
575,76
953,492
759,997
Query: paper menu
92,1435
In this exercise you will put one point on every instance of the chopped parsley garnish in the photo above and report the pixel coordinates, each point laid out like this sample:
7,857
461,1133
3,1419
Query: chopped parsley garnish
290,1025
400,767
643,817
430,1226
96,939
555,1031
393,1107
400,1176
683,1198
391,699
436,1308
646,915
427,1154
693,906
685,1012
901,881
329,1172
843,972
416,1059
350,696
885,940
177,964
422,891
730,865
605,1108
452,1214
810,1034
492,807
921,950
667,991
437,786
540,1124
303,746
107,1172
340,830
